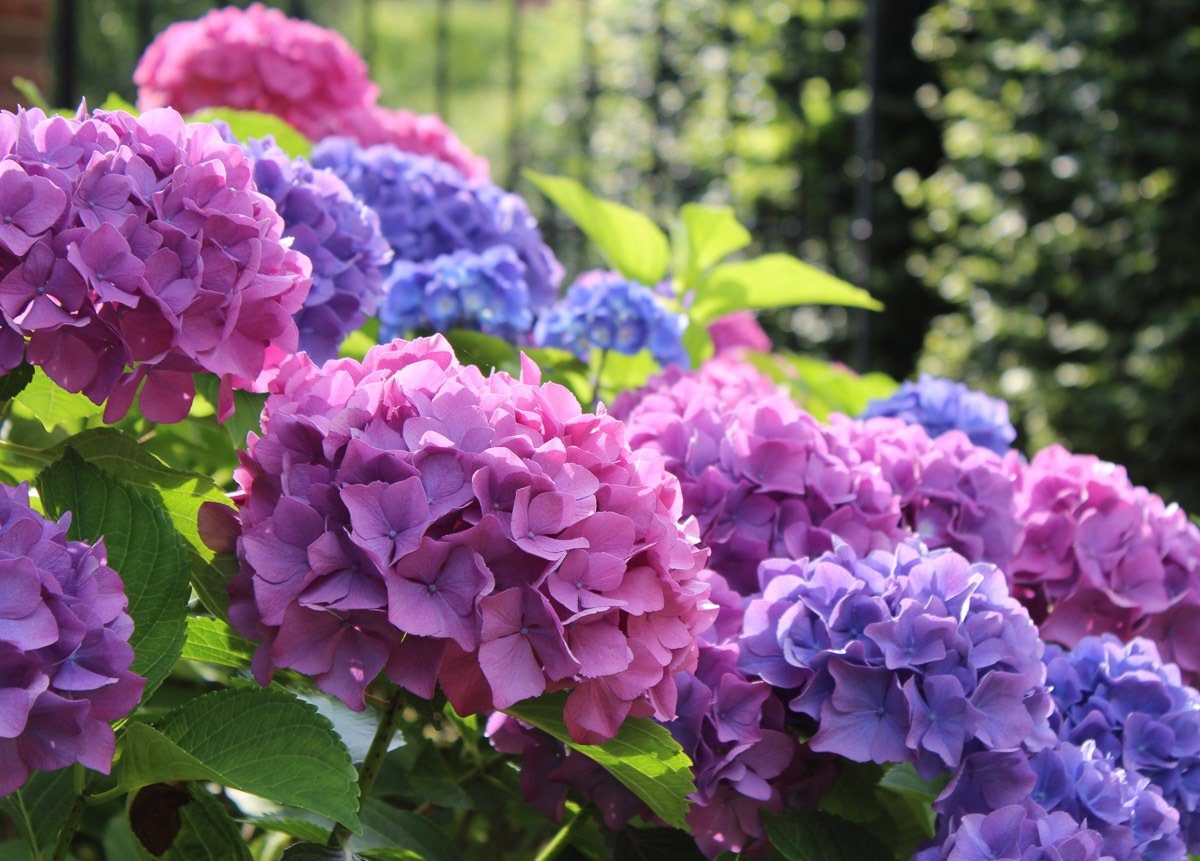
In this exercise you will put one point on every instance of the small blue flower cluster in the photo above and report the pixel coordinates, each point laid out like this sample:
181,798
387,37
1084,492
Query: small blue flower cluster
940,405
432,215
605,311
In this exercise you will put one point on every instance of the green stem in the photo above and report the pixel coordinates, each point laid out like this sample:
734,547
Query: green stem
373,762
63,845
556,844
27,452
596,375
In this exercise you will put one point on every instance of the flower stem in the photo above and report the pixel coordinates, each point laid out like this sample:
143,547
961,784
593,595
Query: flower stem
71,824
599,372
369,770
556,844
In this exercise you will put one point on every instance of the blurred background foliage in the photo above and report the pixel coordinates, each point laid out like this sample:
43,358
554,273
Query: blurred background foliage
1022,192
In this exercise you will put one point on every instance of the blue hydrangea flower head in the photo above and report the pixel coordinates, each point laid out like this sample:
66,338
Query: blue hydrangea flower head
940,405
606,311
427,211
337,232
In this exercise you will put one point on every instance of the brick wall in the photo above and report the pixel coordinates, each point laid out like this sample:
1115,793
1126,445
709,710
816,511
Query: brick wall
24,45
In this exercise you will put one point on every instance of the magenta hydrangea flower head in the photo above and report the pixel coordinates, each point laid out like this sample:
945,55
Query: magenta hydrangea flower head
64,647
410,514
1136,709
762,476
136,251
1097,554
738,331
953,493
337,232
917,656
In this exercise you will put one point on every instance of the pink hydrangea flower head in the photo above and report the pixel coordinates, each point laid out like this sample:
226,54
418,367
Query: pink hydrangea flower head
64,647
421,134
135,251
1097,554
738,331
762,476
408,514
256,59
953,493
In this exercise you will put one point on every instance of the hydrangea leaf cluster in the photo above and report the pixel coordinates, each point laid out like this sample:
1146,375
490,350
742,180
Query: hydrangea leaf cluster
1097,554
953,493
917,656
1063,802
258,59
762,476
64,647
340,236
135,251
1135,709
408,514
446,232
940,406
605,311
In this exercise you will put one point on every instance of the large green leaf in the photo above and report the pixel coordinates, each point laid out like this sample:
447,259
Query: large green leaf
15,381
40,807
53,406
386,827
484,351
824,387
810,836
629,241
252,124
773,281
704,236
143,547
214,642
262,741
643,756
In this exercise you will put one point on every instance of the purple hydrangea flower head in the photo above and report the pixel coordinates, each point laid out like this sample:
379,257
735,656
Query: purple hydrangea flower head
1135,709
408,514
337,232
953,493
1096,554
941,406
917,656
763,477
135,251
604,311
64,647
428,210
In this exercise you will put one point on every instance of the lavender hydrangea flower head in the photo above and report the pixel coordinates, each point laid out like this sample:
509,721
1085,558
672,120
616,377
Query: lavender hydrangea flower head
762,476
408,514
1135,709
604,311
1097,554
429,213
135,251
337,232
941,406
917,656
953,493
64,647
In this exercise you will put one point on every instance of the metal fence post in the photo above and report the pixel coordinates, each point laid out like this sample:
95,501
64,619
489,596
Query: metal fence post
66,51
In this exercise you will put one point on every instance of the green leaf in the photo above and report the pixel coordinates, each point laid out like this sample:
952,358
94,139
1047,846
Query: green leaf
214,642
15,381
317,852
202,832
904,780
656,844
629,241
809,836
116,103
431,780
53,406
247,408
703,237
698,342
852,796
31,93
643,756
15,850
265,742
357,344
483,351
40,807
252,124
143,547
623,372
822,387
386,827
773,281
293,826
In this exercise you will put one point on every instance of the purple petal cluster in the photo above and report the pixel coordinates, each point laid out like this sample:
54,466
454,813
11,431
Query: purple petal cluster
428,210
1136,710
941,406
334,230
953,493
918,656
485,291
1063,802
605,311
64,647
763,477
1096,554
135,251
408,514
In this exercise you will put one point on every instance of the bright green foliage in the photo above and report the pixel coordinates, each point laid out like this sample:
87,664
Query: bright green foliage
214,642
252,124
808,836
